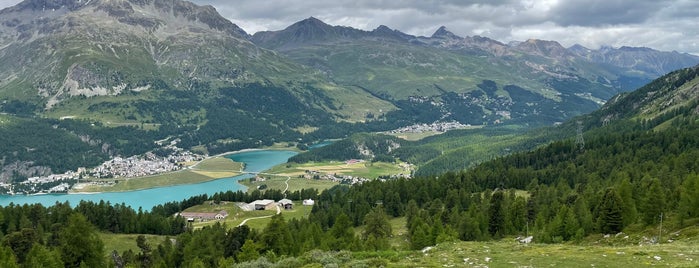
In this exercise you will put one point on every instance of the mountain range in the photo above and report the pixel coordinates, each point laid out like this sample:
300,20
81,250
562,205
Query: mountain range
172,69
555,82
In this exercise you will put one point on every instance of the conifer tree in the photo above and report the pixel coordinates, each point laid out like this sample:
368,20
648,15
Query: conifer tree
276,236
248,252
610,211
421,237
7,259
341,234
626,194
41,257
496,214
689,198
654,202
377,229
80,244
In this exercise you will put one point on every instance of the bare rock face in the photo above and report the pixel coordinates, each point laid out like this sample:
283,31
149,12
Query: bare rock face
58,49
22,169
43,5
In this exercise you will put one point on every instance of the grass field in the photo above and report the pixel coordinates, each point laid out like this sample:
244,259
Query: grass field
362,169
293,172
594,251
237,215
508,253
206,170
124,242
295,183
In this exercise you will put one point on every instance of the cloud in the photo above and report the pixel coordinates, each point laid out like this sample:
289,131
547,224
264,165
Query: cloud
605,12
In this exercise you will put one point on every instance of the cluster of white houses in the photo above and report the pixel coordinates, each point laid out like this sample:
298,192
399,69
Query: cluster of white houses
264,204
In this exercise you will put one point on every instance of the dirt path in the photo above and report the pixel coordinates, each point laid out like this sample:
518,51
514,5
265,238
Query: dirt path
287,185
279,211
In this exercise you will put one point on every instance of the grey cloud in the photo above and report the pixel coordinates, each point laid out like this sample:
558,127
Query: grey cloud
605,12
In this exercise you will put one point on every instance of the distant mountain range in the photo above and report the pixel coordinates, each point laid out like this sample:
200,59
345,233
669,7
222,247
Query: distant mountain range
55,51
487,76
185,71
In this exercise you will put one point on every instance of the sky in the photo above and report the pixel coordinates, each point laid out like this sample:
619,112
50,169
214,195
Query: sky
669,25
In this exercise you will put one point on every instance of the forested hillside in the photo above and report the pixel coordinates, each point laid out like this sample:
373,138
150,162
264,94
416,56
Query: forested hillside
628,175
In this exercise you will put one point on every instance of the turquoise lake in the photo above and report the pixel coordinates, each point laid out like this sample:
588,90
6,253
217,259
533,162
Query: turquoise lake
255,161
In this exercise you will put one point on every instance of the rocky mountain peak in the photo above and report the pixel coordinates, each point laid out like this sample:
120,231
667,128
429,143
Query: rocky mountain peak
52,5
312,22
145,13
386,32
310,28
543,48
442,32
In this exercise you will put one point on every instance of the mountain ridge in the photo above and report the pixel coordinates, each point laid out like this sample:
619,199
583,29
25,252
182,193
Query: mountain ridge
401,67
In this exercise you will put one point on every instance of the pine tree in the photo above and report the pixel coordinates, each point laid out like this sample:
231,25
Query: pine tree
469,226
610,211
654,202
21,242
421,237
80,244
144,257
7,259
249,251
689,198
571,225
341,234
626,194
582,212
496,214
41,257
377,229
276,236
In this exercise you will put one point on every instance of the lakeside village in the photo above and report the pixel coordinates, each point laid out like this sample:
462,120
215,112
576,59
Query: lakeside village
147,164
150,164
434,127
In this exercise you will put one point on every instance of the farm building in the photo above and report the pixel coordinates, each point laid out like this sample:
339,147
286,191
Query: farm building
204,216
286,204
308,202
264,204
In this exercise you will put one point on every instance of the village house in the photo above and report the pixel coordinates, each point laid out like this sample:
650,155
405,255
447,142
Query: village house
286,204
204,216
308,202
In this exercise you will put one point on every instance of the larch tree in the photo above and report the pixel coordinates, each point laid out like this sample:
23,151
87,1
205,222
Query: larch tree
80,244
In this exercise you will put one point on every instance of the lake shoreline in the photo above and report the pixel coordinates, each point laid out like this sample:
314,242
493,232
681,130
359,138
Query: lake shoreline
256,160
189,168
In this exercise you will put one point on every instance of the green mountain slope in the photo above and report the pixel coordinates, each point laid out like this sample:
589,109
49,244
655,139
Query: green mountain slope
661,104
121,51
473,80
158,69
